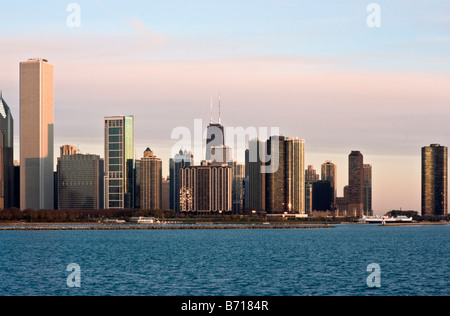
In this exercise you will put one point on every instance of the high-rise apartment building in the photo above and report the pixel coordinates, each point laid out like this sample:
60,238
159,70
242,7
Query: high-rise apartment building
6,156
285,183
206,188
311,174
329,173
36,135
80,182
256,178
237,185
294,175
151,181
182,159
434,180
354,197
119,162
276,179
367,190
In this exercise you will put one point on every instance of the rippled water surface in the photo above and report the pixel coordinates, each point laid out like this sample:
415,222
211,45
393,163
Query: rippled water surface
414,260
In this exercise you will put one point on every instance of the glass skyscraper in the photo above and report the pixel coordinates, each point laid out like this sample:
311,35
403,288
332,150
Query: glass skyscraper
119,162
6,155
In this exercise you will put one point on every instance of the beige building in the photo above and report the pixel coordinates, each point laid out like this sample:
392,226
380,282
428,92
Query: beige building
36,134
151,185
68,150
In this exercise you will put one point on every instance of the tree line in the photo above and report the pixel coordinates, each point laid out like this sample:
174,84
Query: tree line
76,215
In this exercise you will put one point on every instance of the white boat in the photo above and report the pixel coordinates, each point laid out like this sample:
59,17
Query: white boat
386,219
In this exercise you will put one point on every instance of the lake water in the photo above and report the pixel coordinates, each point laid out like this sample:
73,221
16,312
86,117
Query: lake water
413,260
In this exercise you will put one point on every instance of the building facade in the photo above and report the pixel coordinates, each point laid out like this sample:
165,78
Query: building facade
80,180
7,190
355,192
67,150
434,180
206,189
119,162
329,173
367,190
256,178
182,159
151,181
237,185
285,181
275,179
294,175
36,135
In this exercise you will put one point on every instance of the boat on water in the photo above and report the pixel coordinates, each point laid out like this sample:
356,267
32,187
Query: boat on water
386,219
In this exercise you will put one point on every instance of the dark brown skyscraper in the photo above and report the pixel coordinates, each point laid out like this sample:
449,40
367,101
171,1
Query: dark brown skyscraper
355,183
275,181
434,180
151,185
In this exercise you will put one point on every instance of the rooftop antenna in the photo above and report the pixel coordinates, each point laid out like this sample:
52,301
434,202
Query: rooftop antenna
211,112
220,118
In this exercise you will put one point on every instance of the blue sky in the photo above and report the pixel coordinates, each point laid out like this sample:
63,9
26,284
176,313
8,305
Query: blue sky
313,68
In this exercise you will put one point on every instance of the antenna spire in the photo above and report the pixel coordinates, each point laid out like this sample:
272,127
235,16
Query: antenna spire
211,112
220,113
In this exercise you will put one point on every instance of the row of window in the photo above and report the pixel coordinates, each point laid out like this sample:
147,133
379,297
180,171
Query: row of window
114,123
76,183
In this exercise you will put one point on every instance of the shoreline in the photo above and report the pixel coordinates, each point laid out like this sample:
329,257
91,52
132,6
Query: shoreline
102,227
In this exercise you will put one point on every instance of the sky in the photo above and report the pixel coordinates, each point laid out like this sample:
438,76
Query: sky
314,69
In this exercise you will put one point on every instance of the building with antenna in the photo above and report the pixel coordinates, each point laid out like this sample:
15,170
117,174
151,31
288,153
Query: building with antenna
215,137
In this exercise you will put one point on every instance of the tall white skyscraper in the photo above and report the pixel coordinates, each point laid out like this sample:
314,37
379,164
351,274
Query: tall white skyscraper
36,135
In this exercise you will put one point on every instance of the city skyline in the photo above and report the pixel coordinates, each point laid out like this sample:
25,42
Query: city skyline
317,71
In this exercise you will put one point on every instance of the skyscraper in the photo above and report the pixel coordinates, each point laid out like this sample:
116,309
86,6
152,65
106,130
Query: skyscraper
7,155
355,184
311,174
329,173
119,162
294,175
215,137
434,180
275,180
206,188
367,190
256,179
151,181
36,135
285,185
80,182
237,185
182,159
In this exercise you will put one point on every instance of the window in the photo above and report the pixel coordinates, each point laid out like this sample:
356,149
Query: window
115,139
115,161
115,146
115,131
115,154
